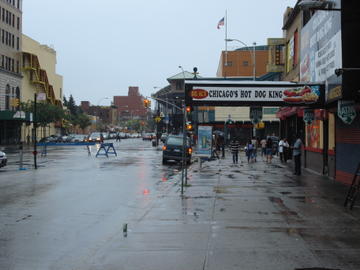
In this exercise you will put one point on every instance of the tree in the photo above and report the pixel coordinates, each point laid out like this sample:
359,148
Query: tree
72,106
83,121
65,102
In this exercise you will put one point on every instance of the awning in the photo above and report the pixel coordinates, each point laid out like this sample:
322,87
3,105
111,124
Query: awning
15,116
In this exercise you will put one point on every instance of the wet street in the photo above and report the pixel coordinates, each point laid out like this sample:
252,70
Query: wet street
126,213
58,216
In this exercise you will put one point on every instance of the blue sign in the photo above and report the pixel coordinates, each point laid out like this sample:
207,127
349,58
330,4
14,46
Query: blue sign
204,145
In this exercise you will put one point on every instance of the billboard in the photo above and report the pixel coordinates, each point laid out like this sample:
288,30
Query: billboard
321,51
204,145
216,93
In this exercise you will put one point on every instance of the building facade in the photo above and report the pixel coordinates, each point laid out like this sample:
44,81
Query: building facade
130,106
10,71
40,77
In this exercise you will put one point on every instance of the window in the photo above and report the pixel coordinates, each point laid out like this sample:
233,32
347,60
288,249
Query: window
18,23
12,41
12,65
179,85
3,36
18,43
17,92
228,64
3,15
17,67
18,4
245,63
7,97
2,61
13,20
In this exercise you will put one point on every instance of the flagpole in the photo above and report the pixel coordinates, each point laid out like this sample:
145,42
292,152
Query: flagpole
226,53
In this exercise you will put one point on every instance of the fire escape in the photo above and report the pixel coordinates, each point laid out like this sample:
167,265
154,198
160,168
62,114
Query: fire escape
38,78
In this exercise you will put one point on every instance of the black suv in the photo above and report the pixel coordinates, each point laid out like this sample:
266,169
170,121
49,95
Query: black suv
173,149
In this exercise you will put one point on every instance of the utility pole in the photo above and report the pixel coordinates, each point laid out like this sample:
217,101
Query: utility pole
34,128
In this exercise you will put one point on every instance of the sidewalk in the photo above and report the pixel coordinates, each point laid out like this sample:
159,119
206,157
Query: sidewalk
245,216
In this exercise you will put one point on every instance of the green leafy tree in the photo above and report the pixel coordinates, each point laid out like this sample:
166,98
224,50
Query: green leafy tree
83,121
72,106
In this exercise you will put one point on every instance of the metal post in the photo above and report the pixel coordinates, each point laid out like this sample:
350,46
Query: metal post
254,61
35,135
183,152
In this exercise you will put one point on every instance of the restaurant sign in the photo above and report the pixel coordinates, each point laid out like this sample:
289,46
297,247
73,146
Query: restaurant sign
257,94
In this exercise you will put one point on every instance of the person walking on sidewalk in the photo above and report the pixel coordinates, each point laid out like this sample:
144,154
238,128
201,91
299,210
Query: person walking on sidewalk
286,150
263,148
234,147
281,150
269,145
249,151
255,144
297,155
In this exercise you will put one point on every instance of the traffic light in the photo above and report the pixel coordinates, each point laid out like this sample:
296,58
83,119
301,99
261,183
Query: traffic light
188,109
147,103
189,126
15,102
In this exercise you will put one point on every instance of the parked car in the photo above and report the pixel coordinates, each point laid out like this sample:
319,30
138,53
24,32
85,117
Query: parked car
3,159
173,149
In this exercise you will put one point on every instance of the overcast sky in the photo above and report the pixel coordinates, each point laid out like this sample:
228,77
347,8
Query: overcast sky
103,47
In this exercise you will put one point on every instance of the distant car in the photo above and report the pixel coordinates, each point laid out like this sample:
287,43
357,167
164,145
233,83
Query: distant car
3,159
51,138
78,137
148,136
173,149
95,137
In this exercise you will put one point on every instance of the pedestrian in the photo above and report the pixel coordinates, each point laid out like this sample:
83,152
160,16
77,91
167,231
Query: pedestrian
286,150
234,147
263,148
297,155
221,145
249,151
118,137
255,144
281,150
101,138
269,145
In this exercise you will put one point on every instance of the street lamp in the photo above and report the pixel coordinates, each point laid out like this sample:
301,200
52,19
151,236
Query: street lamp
252,54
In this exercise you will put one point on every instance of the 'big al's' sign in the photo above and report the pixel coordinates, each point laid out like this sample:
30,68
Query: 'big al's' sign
237,93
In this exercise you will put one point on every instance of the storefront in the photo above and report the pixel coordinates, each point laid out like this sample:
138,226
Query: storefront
10,126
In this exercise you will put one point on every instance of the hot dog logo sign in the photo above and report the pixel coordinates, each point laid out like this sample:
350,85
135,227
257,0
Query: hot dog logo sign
299,95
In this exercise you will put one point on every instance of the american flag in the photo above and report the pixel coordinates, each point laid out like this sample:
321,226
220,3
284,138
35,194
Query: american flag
221,23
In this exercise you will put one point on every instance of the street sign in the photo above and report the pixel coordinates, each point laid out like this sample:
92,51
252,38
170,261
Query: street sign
346,111
309,116
41,96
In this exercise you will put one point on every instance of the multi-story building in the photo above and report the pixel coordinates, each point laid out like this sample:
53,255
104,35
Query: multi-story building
130,106
247,63
10,71
40,76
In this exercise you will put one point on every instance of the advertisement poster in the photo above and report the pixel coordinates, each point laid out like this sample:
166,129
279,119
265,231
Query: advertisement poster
320,50
204,141
313,135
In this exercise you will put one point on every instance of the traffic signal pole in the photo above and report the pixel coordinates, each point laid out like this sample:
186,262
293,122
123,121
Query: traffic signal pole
35,126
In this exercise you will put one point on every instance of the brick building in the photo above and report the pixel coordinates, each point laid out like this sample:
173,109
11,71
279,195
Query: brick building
130,106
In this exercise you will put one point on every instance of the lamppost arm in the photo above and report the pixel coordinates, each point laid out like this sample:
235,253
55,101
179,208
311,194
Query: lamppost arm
252,53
